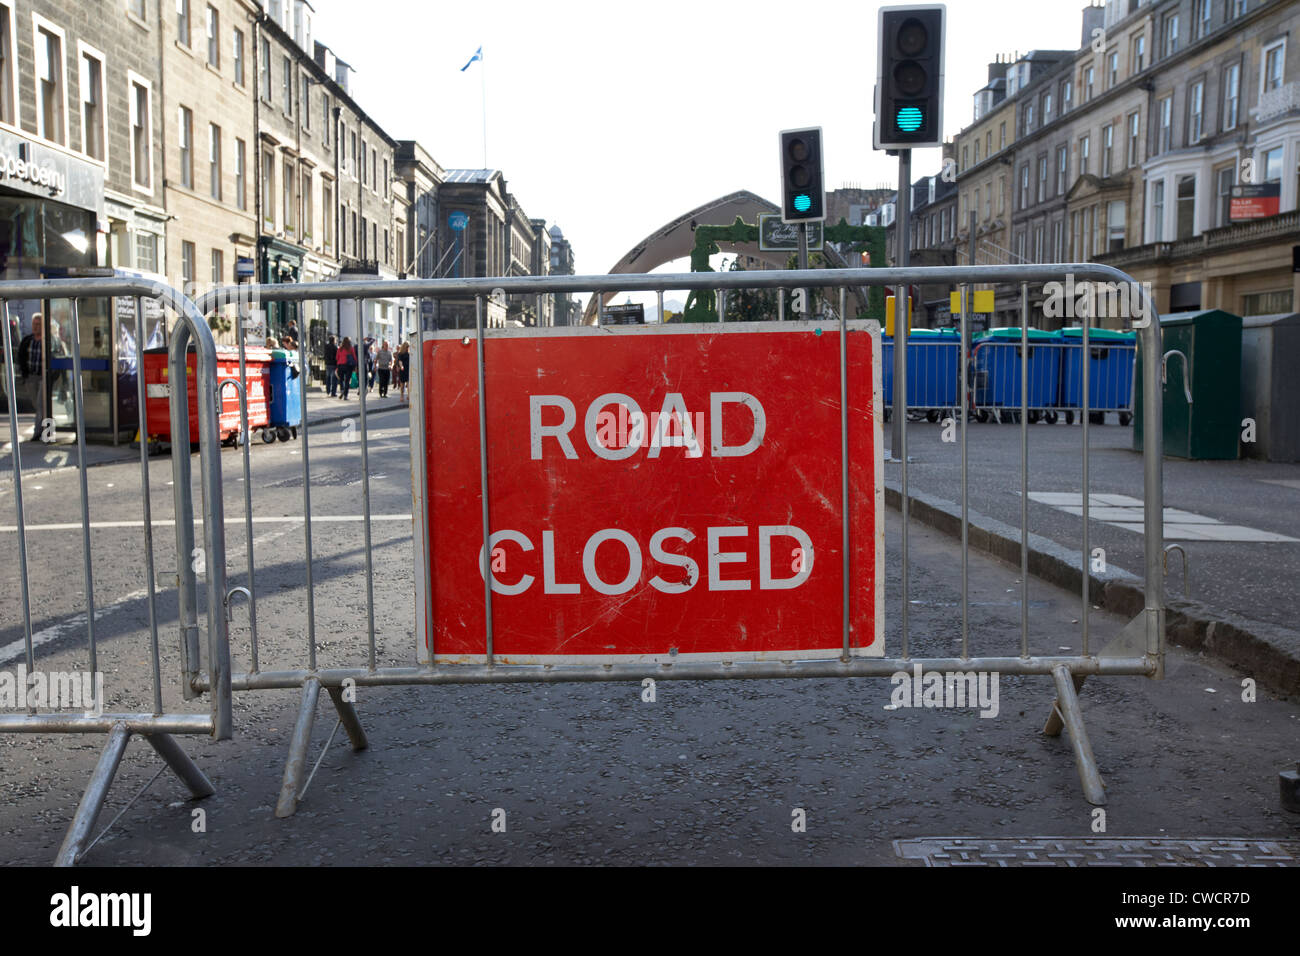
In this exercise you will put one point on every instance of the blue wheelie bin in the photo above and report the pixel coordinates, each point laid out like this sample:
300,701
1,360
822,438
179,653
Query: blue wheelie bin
933,358
285,411
1110,372
995,355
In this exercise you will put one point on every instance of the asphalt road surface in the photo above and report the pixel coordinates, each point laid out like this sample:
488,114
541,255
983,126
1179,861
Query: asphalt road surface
707,773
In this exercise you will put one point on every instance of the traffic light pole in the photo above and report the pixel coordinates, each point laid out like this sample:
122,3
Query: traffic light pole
902,305
803,264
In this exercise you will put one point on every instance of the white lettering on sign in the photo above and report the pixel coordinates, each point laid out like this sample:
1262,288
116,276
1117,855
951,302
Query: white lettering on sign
717,558
635,562
618,437
11,167
520,539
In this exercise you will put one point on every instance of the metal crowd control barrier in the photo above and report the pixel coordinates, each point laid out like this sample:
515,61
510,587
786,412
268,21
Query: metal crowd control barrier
152,721
1066,671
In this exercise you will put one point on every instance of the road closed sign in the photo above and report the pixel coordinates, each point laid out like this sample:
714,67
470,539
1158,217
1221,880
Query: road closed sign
655,494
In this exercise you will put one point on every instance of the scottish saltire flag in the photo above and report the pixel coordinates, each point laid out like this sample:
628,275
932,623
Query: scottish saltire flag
478,55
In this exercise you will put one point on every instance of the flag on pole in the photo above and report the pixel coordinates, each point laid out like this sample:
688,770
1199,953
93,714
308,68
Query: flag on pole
478,55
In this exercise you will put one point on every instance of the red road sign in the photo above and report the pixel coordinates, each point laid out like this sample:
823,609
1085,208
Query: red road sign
656,493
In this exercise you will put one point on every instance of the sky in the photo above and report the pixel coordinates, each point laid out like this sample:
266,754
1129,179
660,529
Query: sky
611,119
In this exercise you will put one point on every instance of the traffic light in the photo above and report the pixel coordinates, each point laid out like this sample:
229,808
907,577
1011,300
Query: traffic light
803,196
909,77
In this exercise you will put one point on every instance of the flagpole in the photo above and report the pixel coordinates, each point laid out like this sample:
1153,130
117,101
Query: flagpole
483,101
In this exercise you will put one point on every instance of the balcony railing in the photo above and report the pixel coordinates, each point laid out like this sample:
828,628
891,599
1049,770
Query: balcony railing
1285,225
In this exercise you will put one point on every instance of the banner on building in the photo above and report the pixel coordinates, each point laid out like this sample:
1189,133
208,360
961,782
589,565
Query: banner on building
1254,202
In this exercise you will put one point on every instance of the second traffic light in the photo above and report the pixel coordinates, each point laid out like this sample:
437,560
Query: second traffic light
909,77
803,194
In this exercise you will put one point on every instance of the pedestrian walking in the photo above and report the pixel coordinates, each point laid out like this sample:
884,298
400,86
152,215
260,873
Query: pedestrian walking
369,363
384,367
403,368
31,362
331,366
347,366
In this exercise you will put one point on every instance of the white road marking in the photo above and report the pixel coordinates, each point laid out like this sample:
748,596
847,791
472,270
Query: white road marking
1284,482
233,521
1121,511
18,649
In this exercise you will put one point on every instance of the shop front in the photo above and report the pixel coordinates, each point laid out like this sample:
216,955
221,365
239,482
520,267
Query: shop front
51,225
281,262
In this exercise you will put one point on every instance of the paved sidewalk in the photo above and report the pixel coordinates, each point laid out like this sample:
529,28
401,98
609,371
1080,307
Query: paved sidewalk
1239,522
40,458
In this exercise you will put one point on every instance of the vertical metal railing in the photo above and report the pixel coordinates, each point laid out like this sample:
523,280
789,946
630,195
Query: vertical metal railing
245,441
304,436
845,501
1024,469
83,488
900,453
364,382
419,472
141,397
16,440
483,472
1086,361
965,293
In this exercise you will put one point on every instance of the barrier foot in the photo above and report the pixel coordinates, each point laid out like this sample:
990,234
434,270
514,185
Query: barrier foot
1066,714
1054,724
348,717
92,801
181,764
293,769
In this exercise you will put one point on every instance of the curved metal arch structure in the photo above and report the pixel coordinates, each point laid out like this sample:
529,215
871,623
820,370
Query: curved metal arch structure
676,240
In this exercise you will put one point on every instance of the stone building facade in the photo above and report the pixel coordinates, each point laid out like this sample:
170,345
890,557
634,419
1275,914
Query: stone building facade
1225,111
1126,151
562,264
206,106
474,206
79,100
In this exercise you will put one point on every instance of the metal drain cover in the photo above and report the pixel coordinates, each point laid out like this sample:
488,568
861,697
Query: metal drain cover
1119,851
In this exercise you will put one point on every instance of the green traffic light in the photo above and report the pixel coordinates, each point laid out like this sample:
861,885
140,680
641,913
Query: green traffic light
909,119
802,202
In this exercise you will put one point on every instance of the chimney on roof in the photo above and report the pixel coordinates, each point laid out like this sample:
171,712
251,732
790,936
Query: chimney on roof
1094,18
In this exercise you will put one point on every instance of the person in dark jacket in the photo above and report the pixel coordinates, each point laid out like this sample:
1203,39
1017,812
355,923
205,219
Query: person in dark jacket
368,363
331,366
403,360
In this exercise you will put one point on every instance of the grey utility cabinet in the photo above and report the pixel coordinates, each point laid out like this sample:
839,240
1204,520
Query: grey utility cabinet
1270,385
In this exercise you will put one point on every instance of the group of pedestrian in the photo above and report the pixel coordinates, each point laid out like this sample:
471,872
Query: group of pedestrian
383,366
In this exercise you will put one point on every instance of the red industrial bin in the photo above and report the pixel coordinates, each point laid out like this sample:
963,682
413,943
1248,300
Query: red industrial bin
257,364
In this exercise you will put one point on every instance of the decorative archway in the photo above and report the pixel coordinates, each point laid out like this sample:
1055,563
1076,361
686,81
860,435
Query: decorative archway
676,240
